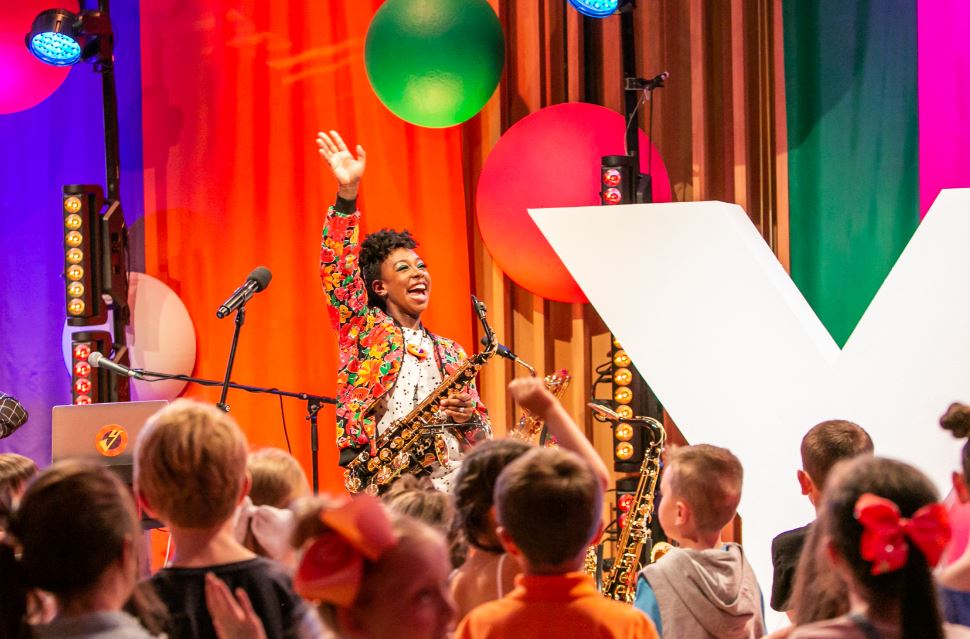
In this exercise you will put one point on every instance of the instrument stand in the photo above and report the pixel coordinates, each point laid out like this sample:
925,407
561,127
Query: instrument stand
240,320
314,403
313,406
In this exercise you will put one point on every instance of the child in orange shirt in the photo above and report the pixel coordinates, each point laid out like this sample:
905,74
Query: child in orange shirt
548,507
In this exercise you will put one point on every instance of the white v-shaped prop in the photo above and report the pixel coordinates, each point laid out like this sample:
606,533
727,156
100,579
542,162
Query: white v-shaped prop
739,359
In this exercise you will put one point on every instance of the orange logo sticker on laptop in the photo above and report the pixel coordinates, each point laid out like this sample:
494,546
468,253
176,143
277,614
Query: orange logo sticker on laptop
111,440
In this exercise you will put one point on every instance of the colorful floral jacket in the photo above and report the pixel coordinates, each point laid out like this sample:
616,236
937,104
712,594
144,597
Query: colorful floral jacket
371,344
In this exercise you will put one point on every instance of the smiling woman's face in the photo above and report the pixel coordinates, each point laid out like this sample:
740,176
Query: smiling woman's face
405,283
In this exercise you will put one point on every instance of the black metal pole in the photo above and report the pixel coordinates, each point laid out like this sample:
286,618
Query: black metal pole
240,320
628,46
313,407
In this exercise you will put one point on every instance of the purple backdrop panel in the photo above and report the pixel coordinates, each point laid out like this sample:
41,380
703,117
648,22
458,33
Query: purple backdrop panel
59,141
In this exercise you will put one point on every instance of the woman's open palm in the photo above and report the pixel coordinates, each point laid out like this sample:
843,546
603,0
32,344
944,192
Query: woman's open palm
345,167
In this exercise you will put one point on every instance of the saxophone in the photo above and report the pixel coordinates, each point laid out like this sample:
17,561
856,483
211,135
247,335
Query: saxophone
529,428
414,443
618,583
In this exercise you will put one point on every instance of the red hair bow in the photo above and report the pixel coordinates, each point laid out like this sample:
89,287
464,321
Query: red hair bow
885,533
332,566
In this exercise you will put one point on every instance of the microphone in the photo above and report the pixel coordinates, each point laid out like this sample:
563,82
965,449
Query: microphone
13,415
504,351
98,360
257,281
656,82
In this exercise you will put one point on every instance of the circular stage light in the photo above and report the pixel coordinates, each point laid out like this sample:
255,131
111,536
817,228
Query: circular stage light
52,38
596,8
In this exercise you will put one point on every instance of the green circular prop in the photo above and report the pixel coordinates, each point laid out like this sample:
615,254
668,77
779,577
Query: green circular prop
434,63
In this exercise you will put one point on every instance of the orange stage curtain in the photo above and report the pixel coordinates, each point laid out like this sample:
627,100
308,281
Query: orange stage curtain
234,93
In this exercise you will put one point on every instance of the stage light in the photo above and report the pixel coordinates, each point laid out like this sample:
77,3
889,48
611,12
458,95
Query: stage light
624,451
612,177
61,38
624,432
83,240
626,412
623,377
624,502
72,204
596,8
612,196
623,395
90,385
621,359
54,38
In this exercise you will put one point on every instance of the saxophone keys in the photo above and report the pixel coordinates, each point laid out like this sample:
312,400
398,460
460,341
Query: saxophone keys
373,465
385,455
397,443
383,476
401,461
352,483
371,490
407,433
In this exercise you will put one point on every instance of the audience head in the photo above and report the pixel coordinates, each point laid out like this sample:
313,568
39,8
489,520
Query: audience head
549,509
277,478
475,489
418,498
700,492
823,446
957,421
76,531
15,471
886,563
190,465
373,573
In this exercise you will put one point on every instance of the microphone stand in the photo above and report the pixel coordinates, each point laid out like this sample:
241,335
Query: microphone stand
314,403
240,320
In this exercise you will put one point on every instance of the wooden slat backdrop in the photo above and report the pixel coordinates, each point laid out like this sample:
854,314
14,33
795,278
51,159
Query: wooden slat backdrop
719,125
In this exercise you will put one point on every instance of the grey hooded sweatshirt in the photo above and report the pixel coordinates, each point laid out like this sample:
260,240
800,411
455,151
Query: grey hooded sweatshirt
707,594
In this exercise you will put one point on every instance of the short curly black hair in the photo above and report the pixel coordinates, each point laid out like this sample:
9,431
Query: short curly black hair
373,251
475,487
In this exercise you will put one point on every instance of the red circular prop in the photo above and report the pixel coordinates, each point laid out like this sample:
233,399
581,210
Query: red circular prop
27,80
550,158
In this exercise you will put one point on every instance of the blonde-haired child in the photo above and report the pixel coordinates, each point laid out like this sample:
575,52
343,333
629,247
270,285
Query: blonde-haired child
190,473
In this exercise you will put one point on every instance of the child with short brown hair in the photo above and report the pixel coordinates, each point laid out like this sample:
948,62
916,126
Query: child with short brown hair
705,588
549,504
190,473
823,446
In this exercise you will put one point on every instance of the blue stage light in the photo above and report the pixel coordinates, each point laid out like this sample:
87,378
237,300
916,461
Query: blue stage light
55,48
53,38
596,8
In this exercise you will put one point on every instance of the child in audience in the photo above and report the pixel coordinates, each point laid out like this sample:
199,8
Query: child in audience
277,478
489,572
15,471
549,506
417,497
823,446
263,523
954,580
884,531
75,535
705,588
190,473
374,574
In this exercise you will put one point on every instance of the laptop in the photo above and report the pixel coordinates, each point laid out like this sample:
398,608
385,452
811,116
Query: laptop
101,432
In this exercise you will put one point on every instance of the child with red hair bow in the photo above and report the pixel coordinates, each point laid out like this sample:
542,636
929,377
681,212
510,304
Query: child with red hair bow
373,573
884,531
